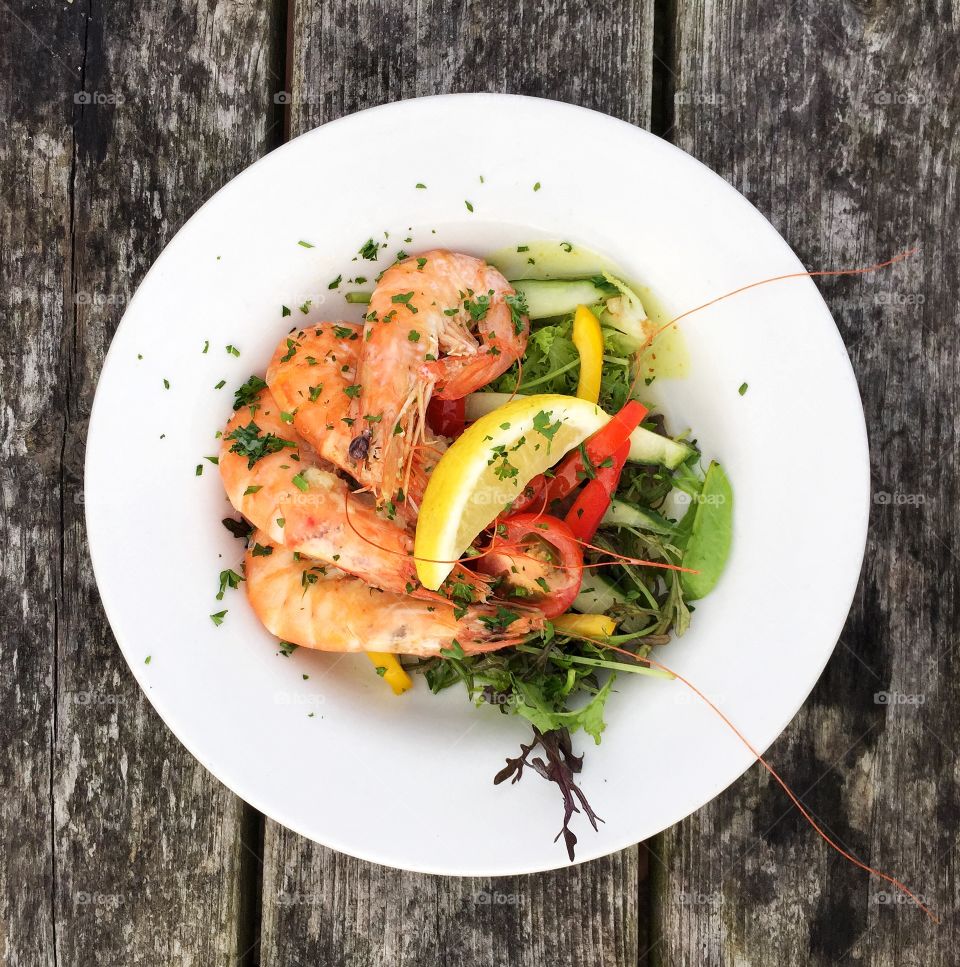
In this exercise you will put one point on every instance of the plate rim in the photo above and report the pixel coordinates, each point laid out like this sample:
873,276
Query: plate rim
168,715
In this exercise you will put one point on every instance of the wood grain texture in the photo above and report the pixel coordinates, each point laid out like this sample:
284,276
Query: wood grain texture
837,121
118,847
318,905
323,907
351,54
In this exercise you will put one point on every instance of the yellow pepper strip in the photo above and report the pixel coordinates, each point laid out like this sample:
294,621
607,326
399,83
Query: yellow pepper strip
587,625
393,674
588,339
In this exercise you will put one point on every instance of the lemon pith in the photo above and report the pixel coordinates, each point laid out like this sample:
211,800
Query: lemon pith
487,467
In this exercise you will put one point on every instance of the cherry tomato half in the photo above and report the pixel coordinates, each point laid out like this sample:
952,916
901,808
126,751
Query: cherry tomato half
446,417
538,555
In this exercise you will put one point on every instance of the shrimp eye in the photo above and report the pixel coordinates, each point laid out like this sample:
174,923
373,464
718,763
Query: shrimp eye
359,446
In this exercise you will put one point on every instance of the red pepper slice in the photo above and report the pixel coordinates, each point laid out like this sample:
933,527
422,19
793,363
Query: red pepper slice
551,580
446,417
591,504
604,443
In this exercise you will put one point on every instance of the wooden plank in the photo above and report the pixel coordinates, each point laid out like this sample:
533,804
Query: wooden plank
318,905
347,56
118,847
35,156
838,122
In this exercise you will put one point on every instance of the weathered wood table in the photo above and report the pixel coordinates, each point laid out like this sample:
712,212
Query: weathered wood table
836,120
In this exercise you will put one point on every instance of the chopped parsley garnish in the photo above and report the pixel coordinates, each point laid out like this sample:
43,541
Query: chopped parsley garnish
217,618
335,284
248,443
239,529
305,244
287,648
478,307
743,388
315,392
221,384
501,620
518,311
166,384
403,298
250,390
469,206
369,250
413,335
305,307
206,345
260,551
284,311
421,186
344,332
353,390
421,262
454,651
228,579
543,426
292,348
199,470
536,186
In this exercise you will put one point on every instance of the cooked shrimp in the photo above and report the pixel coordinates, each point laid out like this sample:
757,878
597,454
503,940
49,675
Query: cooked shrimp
310,376
279,484
441,324
313,376
309,604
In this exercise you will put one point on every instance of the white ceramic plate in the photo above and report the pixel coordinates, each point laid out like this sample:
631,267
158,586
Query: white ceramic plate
407,782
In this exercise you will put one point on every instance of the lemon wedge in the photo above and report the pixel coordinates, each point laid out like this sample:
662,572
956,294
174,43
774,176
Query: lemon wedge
488,466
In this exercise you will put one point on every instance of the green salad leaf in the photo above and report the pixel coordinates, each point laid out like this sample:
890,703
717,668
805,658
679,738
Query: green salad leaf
552,365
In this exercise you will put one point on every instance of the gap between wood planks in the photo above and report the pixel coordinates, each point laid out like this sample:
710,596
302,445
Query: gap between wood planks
254,823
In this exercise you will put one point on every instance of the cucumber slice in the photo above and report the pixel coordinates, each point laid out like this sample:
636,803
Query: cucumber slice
623,514
546,298
645,445
597,596
649,447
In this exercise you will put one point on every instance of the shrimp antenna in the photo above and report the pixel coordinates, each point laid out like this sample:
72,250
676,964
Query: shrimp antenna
902,887
902,256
